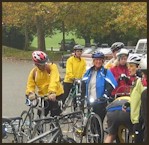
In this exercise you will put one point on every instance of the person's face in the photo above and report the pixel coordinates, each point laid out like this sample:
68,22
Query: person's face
98,62
132,68
41,67
78,53
123,60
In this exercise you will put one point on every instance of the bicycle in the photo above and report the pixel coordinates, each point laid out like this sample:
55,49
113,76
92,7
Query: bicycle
124,136
89,126
27,126
10,126
74,99
55,135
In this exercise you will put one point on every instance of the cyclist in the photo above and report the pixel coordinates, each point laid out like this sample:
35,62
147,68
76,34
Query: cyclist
143,113
99,83
45,77
120,72
116,117
115,48
135,97
75,69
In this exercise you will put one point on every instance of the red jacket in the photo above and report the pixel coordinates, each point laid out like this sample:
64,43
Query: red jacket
117,71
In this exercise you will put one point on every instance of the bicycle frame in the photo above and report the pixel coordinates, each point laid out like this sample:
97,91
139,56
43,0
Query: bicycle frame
74,91
55,133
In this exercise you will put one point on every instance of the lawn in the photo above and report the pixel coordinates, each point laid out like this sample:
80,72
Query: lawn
26,55
55,39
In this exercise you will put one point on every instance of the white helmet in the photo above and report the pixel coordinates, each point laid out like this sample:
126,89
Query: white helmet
123,51
143,62
134,58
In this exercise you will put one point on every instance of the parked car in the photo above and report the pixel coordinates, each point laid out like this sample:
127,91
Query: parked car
69,44
141,46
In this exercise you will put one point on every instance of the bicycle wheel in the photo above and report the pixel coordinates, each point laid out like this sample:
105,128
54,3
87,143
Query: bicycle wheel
25,127
94,129
68,140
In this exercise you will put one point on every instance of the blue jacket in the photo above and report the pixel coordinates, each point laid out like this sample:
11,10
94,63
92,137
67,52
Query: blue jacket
100,80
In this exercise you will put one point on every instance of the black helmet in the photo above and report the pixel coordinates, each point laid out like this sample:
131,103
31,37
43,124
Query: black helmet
117,46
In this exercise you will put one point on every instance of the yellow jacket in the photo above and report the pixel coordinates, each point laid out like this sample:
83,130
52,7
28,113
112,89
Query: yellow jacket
75,69
45,82
111,63
135,101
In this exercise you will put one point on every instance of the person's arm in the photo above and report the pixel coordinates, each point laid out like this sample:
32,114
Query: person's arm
69,69
30,87
136,101
84,68
110,83
54,79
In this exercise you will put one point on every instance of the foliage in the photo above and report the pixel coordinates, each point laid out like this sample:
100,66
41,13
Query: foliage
125,21
13,37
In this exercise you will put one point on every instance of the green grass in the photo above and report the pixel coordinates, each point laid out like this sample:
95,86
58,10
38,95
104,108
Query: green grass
50,42
23,55
55,39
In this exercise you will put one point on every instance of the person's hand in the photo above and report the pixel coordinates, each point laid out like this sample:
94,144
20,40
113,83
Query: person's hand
52,97
32,96
123,77
124,108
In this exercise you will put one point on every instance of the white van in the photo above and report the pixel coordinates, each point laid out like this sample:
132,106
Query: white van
141,46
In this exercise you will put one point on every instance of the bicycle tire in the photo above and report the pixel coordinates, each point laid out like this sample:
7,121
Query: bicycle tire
25,127
94,129
68,140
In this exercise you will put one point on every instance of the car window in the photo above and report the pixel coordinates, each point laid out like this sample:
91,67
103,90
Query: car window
142,47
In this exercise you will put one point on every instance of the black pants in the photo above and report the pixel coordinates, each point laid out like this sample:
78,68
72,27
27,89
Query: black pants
100,109
143,113
52,107
67,87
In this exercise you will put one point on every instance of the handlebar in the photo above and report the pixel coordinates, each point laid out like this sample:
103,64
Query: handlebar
34,103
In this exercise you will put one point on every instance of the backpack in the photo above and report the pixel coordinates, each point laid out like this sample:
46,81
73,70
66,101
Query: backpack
35,71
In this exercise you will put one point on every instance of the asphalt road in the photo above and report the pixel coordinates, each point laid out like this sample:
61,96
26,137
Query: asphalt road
14,78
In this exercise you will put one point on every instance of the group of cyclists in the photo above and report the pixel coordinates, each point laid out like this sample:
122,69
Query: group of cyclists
102,82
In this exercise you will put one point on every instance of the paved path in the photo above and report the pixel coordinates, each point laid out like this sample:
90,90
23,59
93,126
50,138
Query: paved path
14,78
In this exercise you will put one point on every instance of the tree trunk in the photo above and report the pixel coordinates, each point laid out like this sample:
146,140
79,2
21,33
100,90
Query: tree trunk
40,33
26,45
87,41
63,30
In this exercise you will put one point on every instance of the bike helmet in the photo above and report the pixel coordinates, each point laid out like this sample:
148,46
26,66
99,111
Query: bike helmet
122,52
134,58
98,54
39,57
117,46
143,63
78,47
